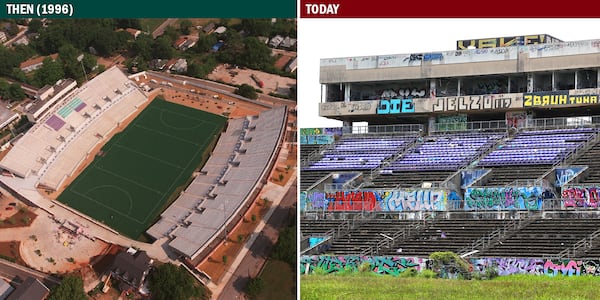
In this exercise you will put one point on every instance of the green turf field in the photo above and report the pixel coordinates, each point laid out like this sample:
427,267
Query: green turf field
127,186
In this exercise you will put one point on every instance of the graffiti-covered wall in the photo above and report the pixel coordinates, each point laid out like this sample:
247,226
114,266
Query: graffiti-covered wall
385,265
580,196
538,266
394,265
505,198
378,200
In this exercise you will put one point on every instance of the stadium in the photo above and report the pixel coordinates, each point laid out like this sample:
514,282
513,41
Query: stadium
489,151
140,167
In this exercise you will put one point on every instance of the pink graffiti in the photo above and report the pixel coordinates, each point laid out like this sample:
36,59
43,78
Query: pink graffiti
571,268
580,197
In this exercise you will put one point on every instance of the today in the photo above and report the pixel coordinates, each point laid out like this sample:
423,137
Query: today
322,9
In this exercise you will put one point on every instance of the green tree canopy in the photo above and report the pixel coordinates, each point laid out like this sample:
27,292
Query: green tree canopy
247,91
71,288
49,73
184,26
169,282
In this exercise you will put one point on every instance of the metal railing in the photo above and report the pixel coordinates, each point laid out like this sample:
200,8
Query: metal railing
581,246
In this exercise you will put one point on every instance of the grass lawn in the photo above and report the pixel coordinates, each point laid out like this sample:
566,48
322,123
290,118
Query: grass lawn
150,24
280,282
372,286
129,183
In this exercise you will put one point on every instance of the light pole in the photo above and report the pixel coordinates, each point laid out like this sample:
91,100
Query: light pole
80,59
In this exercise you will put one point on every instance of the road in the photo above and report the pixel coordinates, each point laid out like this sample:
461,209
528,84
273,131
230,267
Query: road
219,87
255,259
161,28
18,274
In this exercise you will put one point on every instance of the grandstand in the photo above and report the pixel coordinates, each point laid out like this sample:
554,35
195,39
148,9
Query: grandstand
487,152
231,177
61,140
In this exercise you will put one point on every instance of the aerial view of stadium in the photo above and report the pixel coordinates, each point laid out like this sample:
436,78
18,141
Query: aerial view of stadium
118,173
487,151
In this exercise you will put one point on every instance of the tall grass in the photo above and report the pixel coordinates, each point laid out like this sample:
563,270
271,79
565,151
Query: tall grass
362,286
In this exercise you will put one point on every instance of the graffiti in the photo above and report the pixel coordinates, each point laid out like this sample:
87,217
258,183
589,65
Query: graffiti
313,200
530,198
384,265
471,103
413,57
432,56
505,266
564,175
403,92
355,201
557,99
415,200
395,106
506,41
580,196
316,139
318,131
469,176
516,119
378,200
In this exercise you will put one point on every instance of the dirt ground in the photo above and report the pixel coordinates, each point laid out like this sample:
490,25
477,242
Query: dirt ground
284,169
11,249
232,108
213,265
272,83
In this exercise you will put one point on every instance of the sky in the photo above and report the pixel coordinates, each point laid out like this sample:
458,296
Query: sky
330,38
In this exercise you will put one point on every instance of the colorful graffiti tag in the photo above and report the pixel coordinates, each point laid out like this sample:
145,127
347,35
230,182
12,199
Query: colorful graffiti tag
580,196
469,176
378,200
538,266
530,198
564,175
394,265
385,265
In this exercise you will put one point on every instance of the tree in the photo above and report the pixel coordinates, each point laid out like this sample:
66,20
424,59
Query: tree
162,48
285,248
49,73
256,55
205,43
257,27
71,288
254,287
170,282
15,92
247,91
184,26
34,26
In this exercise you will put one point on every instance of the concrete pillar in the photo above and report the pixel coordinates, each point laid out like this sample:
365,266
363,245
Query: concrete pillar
530,83
432,88
347,92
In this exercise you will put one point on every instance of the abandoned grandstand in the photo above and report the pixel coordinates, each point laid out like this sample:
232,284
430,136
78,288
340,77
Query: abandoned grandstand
490,151
47,158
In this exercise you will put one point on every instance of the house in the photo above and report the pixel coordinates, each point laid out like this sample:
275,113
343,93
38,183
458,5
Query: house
183,43
292,65
158,64
35,63
180,66
130,269
217,46
275,41
30,289
288,43
263,39
209,28
134,32
220,30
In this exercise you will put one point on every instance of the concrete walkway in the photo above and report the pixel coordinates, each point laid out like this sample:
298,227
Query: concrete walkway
274,193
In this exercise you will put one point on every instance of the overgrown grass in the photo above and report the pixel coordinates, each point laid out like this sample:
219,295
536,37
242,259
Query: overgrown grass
366,286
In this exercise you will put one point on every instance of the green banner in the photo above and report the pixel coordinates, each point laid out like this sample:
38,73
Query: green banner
148,9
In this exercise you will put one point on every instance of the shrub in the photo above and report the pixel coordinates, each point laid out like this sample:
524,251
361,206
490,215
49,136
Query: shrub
427,274
254,287
410,272
364,267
